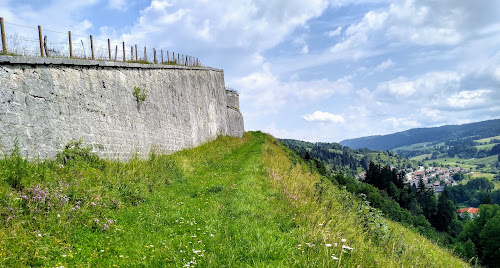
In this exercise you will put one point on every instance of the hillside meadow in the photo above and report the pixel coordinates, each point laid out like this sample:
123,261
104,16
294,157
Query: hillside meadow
232,202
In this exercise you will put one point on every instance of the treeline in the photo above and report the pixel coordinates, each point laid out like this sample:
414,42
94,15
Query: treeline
417,207
474,193
342,159
461,148
418,200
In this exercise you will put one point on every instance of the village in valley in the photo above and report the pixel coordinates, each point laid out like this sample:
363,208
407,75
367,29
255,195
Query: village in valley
434,177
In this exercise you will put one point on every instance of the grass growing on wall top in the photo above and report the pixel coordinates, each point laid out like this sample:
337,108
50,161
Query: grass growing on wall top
229,203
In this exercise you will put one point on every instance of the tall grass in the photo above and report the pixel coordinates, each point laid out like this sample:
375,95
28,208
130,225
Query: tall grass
229,203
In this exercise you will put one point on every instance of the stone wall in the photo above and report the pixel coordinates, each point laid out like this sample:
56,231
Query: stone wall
234,115
47,102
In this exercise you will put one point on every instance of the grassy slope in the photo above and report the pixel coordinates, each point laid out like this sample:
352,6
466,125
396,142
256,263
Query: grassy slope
229,203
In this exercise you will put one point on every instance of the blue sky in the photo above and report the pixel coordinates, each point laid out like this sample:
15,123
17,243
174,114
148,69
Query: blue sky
315,70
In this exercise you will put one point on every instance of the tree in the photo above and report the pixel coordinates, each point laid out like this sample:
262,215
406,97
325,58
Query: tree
473,229
486,199
458,176
490,242
445,214
495,150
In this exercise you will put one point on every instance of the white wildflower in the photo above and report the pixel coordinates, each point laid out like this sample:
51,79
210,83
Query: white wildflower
328,245
343,240
346,247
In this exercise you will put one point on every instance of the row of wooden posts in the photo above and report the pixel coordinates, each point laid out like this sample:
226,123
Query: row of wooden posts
180,59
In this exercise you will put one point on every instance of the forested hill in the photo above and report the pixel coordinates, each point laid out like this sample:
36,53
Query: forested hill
476,130
343,159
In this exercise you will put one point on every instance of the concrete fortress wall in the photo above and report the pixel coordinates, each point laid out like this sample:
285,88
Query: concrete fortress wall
47,102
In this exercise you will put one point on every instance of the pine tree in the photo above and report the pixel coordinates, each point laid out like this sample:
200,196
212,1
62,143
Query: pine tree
445,214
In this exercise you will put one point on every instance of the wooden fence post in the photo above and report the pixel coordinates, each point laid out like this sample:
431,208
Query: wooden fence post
168,57
45,46
154,56
92,46
116,52
70,45
178,58
109,49
173,57
40,37
124,57
145,54
4,42
161,56
136,58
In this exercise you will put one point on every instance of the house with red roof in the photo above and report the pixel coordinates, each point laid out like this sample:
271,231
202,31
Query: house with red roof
472,212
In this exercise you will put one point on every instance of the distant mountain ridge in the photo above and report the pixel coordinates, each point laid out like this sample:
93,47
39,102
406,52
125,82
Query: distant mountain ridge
417,135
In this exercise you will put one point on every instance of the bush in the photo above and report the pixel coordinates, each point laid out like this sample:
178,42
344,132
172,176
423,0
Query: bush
74,154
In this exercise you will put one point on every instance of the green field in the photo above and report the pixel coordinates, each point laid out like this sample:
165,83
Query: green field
485,146
487,140
230,203
418,146
482,175
421,157
472,162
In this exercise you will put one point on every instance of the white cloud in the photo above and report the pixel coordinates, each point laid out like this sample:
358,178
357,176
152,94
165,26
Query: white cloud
267,93
420,23
381,67
469,98
117,4
384,65
246,24
305,49
398,87
335,32
401,122
432,85
323,117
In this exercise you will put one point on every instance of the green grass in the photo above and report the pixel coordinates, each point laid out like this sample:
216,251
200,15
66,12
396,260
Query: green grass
418,146
485,146
487,140
421,157
482,175
464,163
229,203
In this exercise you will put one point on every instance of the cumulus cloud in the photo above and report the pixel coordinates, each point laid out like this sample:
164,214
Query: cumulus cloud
401,122
335,32
420,23
323,117
305,49
268,93
384,65
117,4
469,98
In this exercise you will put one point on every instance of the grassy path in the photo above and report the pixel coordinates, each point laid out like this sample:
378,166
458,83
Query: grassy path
229,203
222,213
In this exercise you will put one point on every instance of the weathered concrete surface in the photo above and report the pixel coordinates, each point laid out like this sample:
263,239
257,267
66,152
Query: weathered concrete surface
45,103
235,119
